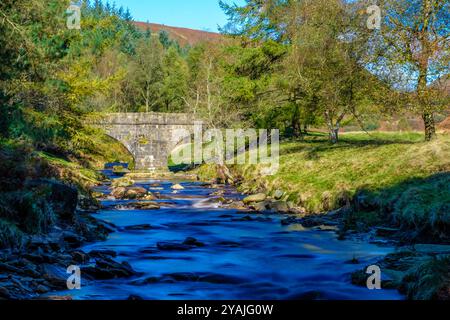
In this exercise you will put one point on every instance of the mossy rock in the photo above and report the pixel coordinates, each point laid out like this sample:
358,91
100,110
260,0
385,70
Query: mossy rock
260,197
122,182
119,170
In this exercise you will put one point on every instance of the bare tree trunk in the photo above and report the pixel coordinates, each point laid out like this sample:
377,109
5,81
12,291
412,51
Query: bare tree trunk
147,102
422,86
430,126
296,123
334,128
334,136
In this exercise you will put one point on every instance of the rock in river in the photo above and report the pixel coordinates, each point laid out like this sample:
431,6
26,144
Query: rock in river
193,242
141,227
118,192
279,206
131,193
177,187
55,275
260,197
146,206
135,193
107,268
122,182
188,244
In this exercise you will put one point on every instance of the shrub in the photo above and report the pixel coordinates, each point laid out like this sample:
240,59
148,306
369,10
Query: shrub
423,205
10,236
428,280
29,210
38,216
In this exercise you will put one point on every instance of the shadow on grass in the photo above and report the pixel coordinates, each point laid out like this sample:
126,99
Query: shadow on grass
420,207
318,142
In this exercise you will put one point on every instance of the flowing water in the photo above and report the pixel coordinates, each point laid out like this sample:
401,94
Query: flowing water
256,258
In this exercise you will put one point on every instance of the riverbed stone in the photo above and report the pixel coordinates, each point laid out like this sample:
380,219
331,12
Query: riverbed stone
238,205
106,269
80,257
102,253
260,197
150,197
147,206
278,194
173,246
41,289
193,242
71,239
259,206
140,227
279,206
118,192
98,195
177,187
122,182
135,193
55,275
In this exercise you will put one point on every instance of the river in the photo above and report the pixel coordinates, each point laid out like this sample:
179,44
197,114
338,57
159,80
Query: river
241,258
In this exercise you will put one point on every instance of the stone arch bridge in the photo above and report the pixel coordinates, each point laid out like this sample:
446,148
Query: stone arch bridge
148,136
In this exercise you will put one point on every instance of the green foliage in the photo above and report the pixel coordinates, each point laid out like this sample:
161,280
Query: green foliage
422,205
10,236
174,88
428,280
29,210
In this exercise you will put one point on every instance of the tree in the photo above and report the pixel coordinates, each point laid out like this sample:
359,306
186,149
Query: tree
258,20
324,71
174,87
165,39
209,94
147,71
412,49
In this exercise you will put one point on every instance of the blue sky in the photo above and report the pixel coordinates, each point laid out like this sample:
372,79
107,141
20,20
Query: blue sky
194,14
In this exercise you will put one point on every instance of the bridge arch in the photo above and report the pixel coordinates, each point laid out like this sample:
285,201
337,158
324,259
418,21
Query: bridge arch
149,137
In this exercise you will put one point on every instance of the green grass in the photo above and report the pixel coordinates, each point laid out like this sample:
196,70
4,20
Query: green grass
384,167
428,280
82,170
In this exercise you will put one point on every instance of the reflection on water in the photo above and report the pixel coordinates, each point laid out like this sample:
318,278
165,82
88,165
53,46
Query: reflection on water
256,259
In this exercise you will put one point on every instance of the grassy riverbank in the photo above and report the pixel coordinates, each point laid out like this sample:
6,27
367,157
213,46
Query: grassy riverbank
32,200
385,177
390,180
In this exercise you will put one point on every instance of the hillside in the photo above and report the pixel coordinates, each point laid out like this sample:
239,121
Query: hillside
184,36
